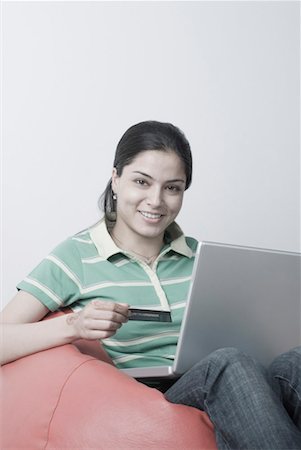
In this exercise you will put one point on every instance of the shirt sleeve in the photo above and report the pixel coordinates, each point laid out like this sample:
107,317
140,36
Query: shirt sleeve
57,280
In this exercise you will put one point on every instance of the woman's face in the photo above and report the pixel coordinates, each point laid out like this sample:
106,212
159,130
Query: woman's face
149,194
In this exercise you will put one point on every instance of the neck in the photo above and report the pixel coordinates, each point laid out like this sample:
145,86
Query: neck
145,249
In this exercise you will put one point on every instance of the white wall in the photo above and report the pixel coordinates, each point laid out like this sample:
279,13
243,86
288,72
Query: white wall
76,75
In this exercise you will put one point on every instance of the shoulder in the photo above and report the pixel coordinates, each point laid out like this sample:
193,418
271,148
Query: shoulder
75,246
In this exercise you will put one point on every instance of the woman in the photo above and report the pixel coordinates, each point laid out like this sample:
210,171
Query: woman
138,256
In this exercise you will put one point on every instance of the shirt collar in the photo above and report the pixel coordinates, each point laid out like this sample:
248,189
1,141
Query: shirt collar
106,246
102,239
176,239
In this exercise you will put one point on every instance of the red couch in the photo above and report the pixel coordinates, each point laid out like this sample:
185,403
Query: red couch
69,398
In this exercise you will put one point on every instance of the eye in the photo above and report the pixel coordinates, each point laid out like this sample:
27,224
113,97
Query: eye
173,188
141,182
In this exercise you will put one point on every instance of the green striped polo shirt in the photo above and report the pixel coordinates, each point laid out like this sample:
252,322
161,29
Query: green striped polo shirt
90,266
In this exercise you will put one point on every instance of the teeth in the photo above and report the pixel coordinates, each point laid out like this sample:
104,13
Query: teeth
150,216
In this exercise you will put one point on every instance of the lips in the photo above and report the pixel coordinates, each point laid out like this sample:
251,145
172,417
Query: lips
149,215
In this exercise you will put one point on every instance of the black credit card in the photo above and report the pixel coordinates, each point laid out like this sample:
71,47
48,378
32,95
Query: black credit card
149,315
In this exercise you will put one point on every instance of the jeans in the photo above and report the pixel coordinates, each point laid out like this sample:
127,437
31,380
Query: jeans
250,408
285,377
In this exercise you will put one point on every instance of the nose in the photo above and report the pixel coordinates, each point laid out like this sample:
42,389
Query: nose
154,198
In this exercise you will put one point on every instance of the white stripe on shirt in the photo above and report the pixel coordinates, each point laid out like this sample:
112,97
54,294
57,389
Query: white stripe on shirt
114,343
44,289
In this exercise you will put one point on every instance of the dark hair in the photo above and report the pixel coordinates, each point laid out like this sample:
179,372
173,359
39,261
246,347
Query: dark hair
149,135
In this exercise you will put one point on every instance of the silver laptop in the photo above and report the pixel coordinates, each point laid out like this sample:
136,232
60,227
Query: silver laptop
242,297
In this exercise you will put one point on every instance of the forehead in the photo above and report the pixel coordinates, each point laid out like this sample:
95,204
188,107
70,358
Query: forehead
157,161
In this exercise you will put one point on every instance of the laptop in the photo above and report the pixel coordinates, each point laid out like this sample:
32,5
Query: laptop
242,297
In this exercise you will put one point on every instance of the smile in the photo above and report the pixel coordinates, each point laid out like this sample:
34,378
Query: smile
148,215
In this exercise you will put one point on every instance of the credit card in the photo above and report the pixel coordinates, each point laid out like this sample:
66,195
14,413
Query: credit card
149,315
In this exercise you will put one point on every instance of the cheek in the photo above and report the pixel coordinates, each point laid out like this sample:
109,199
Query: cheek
128,196
176,204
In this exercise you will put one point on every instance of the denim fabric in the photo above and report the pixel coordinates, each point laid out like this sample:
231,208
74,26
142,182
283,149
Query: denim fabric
235,392
285,376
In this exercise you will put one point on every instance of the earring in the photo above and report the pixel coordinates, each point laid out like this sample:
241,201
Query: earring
114,196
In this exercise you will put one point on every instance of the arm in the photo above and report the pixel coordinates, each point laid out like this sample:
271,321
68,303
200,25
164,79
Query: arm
22,334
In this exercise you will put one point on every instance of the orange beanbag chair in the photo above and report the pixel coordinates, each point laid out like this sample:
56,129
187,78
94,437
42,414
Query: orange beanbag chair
70,398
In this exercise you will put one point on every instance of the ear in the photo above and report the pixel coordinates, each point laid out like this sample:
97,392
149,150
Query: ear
115,180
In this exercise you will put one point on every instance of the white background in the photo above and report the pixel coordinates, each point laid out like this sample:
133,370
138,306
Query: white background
76,75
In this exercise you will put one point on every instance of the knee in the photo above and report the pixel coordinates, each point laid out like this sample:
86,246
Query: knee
231,365
287,366
231,359
229,355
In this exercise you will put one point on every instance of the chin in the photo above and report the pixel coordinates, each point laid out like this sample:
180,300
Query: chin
151,233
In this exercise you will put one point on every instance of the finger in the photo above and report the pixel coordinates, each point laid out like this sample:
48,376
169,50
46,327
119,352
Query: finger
121,308
100,314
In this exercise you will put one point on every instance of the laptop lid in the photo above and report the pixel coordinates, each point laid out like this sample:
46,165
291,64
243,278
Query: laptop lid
242,297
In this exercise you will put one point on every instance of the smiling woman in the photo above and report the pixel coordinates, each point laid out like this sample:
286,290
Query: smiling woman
150,194
137,256
152,169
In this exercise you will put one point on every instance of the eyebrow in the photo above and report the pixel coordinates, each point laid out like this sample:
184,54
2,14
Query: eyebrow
168,181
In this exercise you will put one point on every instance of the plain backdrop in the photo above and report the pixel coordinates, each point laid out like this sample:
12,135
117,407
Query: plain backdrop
76,75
